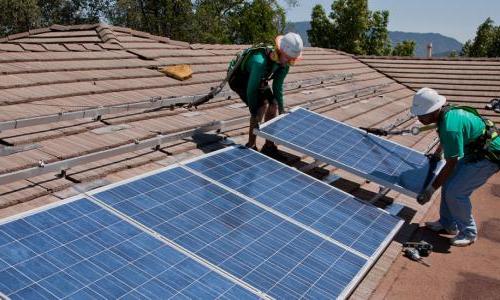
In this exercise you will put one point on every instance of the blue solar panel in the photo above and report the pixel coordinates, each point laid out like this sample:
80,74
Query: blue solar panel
349,148
81,251
332,212
264,250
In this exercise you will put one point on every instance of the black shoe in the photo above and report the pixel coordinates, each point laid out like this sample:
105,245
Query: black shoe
253,148
273,152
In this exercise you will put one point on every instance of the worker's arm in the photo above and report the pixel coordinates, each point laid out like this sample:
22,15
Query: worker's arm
451,144
445,173
256,67
279,79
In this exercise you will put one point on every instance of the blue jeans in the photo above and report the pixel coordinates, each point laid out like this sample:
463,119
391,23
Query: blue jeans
456,208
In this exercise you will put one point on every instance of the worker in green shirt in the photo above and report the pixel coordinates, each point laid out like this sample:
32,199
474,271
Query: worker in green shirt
250,82
471,148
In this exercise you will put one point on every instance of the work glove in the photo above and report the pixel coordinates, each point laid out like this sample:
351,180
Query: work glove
426,195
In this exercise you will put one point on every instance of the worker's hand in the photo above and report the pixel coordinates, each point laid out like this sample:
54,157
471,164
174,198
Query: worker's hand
436,156
426,195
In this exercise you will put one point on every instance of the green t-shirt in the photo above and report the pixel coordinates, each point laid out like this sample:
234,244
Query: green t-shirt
259,67
458,129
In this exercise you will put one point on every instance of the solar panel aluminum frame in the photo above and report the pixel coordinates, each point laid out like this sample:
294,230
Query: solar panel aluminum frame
370,261
340,165
89,196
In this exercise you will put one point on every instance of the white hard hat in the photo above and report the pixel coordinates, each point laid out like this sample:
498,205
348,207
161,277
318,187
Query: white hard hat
291,44
425,101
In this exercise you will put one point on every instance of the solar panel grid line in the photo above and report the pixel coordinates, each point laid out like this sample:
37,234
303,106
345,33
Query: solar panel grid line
69,276
235,208
362,131
299,264
332,208
339,191
69,201
283,221
86,259
274,165
371,261
373,257
277,213
351,168
169,242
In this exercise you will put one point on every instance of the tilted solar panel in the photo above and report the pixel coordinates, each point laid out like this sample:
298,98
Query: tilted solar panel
346,147
81,251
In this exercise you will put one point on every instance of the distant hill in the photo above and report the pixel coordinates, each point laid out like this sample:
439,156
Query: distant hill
441,45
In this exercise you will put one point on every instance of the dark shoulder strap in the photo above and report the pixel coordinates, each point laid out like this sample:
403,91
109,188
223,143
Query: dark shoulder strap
255,48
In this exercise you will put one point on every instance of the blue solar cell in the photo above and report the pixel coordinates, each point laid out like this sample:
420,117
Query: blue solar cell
346,147
262,249
96,255
305,199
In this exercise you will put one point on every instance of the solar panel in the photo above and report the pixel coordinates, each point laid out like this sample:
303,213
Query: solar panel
346,147
82,251
273,251
269,253
232,224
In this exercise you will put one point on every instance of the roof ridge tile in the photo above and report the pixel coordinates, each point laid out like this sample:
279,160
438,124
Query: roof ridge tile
160,39
179,43
106,34
121,29
140,33
39,30
18,35
58,27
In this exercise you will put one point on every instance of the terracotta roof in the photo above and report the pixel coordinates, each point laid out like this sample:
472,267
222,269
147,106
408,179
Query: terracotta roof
464,81
72,68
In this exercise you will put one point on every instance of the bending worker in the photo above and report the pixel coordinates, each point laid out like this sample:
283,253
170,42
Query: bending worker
472,152
260,64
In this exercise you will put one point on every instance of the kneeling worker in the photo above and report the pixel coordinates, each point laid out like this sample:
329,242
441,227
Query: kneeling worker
250,81
471,147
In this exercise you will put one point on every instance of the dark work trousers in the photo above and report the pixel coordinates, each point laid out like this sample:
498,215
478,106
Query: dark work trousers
239,84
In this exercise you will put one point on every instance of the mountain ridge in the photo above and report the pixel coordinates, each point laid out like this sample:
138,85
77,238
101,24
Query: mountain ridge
441,44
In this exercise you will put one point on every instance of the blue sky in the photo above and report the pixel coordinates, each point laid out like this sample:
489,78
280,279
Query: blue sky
454,18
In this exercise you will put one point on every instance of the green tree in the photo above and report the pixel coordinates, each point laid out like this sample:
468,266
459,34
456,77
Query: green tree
321,32
466,48
18,16
494,50
212,20
404,48
350,23
258,21
351,27
69,12
486,43
377,40
170,18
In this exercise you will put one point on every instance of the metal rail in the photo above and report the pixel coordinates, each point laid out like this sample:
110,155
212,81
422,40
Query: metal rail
155,142
152,103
